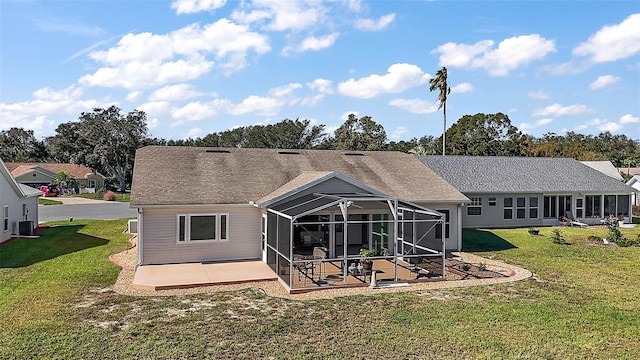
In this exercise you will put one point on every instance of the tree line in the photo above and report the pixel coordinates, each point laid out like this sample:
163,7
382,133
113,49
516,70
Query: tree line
106,140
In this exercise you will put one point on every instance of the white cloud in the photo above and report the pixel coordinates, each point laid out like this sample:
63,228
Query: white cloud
195,111
193,133
345,115
155,108
145,60
540,95
281,15
373,24
603,81
536,124
67,26
629,119
312,100
153,123
462,88
174,93
559,110
194,6
610,127
260,105
133,96
399,132
399,77
593,122
318,43
510,54
415,106
36,114
323,86
354,5
613,42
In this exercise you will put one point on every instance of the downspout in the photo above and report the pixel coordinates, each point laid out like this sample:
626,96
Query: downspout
459,226
444,246
291,252
139,242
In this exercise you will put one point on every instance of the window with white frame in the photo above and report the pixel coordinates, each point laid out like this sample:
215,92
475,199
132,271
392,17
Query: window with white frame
475,208
447,225
493,201
533,207
5,213
202,227
521,207
508,208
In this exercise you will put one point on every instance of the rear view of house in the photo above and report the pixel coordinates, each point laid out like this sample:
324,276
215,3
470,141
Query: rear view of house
18,206
308,214
527,191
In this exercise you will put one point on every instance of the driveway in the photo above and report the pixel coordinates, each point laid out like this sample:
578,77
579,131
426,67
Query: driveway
80,208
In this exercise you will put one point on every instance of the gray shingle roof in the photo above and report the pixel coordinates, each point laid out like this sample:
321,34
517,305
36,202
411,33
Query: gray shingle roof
489,174
171,175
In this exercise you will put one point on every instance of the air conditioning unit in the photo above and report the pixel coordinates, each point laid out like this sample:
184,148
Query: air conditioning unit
26,228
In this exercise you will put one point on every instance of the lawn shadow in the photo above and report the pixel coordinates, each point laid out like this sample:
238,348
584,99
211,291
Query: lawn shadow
474,240
53,242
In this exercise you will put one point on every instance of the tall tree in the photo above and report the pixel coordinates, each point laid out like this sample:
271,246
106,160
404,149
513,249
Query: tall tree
486,135
19,145
104,140
360,134
440,83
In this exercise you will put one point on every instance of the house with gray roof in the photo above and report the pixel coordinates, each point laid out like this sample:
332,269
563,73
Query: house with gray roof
634,182
305,213
528,191
605,167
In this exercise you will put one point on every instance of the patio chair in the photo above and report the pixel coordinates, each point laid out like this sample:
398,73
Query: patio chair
571,220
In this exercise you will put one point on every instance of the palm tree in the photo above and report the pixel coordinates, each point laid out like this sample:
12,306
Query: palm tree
440,83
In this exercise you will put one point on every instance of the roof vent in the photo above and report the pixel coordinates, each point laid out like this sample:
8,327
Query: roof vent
354,154
289,152
218,151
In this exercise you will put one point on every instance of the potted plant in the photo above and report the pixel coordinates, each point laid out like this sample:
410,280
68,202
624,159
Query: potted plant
367,264
533,231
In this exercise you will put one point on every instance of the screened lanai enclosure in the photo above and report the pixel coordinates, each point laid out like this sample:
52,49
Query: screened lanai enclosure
328,240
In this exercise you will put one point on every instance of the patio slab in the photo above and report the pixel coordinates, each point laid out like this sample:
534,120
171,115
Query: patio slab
177,276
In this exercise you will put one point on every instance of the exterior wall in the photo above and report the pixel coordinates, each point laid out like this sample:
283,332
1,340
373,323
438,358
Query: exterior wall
29,178
9,197
158,228
454,241
97,178
493,216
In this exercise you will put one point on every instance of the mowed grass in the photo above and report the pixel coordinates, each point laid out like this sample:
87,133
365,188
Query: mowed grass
55,302
45,201
120,197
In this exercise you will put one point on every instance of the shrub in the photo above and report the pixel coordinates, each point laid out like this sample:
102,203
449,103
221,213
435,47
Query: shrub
624,242
594,238
109,196
614,234
558,236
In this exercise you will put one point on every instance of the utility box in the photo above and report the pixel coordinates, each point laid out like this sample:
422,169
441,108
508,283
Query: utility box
132,226
25,228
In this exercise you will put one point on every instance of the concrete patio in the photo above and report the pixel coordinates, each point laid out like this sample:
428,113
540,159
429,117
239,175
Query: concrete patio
179,276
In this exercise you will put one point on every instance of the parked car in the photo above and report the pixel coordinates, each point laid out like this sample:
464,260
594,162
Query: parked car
49,190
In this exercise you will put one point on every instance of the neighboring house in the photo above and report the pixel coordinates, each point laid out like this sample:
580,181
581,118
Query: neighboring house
634,182
605,167
528,191
18,206
36,174
281,206
630,171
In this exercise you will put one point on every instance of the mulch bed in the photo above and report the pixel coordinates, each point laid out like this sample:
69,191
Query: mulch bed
459,270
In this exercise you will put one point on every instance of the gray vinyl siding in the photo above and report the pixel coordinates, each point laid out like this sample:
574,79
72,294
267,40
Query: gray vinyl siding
493,216
451,243
160,244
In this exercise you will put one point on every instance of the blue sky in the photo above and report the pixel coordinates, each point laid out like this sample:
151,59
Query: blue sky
202,66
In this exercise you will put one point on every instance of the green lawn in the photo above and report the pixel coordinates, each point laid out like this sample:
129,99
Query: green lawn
55,302
46,201
120,197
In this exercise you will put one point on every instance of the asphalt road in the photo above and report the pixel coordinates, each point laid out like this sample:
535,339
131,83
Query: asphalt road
101,210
